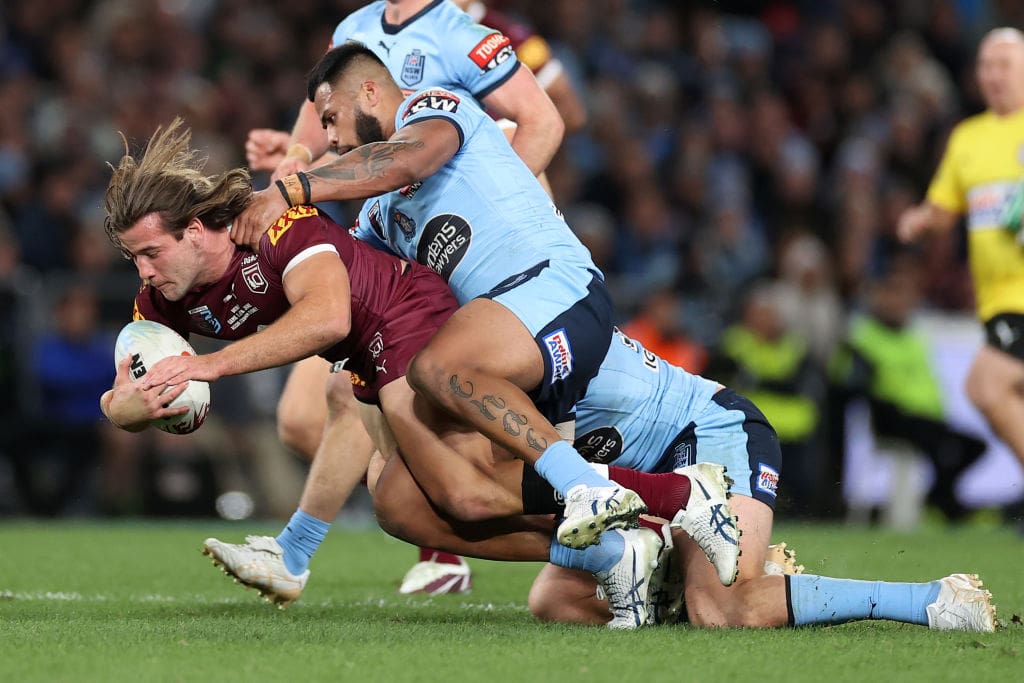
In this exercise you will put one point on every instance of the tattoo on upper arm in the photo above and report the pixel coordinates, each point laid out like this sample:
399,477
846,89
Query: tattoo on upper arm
368,161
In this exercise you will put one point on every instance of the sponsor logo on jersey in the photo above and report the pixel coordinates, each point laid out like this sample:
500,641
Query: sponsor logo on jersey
412,67
376,345
682,451
560,352
278,229
357,381
406,224
375,220
204,319
441,100
254,278
602,445
492,51
985,204
409,191
445,240
767,479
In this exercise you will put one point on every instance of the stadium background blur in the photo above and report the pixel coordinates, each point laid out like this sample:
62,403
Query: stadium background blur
744,164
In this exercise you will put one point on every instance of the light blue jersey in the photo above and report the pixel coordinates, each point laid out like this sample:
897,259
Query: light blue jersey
440,46
642,413
479,220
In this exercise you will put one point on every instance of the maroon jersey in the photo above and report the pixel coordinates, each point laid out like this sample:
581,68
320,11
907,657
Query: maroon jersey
396,305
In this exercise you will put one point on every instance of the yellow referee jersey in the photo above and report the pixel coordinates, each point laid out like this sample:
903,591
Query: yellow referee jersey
983,162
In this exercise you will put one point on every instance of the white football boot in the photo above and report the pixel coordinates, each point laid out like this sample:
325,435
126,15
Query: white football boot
259,564
437,578
591,510
708,520
667,586
627,584
962,605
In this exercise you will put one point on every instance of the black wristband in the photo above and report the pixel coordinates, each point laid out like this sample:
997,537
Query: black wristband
304,179
284,191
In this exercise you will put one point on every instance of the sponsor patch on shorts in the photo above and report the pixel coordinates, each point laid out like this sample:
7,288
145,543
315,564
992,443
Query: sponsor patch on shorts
557,344
767,479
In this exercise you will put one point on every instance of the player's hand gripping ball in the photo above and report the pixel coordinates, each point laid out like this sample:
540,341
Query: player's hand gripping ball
148,342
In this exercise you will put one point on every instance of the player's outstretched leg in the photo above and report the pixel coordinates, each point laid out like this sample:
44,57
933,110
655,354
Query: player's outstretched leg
258,563
591,510
954,603
436,573
708,520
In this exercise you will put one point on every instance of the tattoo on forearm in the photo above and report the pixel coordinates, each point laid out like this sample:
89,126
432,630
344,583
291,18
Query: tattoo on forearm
369,161
513,423
484,410
537,443
460,390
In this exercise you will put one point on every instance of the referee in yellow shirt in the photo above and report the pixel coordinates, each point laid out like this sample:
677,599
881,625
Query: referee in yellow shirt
980,173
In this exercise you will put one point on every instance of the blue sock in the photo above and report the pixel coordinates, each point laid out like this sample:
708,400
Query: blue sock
564,468
595,558
823,600
300,539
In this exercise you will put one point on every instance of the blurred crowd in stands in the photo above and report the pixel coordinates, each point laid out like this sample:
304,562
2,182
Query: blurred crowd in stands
738,181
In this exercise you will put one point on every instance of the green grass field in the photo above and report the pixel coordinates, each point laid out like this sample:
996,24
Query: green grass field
138,602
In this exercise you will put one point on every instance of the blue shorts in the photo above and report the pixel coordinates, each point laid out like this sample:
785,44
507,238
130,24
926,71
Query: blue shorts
731,431
568,310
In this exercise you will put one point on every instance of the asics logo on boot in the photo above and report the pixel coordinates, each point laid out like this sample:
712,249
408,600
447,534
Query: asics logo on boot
721,521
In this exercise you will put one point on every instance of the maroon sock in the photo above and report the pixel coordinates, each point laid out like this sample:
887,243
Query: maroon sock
650,524
439,556
665,494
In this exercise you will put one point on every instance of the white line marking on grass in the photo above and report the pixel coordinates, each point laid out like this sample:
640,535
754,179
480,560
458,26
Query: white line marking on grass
380,603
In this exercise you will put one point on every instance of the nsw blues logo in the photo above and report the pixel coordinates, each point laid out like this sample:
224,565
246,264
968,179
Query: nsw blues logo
412,67
406,224
560,352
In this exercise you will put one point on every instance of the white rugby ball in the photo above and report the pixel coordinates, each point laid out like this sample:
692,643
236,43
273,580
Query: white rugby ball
148,342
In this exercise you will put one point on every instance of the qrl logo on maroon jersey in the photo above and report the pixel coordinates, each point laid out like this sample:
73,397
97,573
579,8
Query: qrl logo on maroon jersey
254,279
492,51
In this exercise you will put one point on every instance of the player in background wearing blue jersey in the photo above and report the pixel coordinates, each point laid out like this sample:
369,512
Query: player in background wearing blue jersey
423,43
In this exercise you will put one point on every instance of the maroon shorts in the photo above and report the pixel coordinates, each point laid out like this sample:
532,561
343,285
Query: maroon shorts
417,311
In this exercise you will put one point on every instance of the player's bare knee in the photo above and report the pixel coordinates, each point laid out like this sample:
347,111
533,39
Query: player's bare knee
298,433
465,505
340,401
703,609
389,511
543,602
